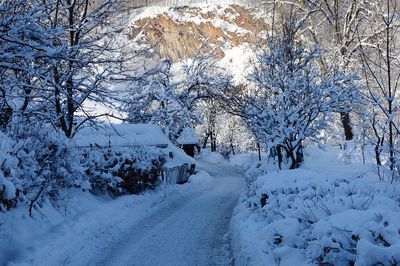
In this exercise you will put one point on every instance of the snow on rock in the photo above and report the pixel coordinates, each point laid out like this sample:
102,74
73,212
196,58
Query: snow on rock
177,3
150,12
326,212
179,32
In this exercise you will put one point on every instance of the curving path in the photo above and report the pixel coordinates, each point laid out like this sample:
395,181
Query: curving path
192,231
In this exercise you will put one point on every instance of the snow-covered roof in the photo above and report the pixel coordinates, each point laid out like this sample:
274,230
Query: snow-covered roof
122,135
126,135
188,136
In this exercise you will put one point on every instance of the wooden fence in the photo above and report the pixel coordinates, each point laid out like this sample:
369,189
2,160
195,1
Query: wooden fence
178,174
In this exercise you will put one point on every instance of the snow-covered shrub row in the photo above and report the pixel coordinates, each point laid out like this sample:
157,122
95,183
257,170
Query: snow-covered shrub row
122,170
307,216
37,163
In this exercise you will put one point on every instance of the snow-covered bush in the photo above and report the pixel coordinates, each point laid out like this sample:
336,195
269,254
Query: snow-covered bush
37,163
122,170
317,216
8,173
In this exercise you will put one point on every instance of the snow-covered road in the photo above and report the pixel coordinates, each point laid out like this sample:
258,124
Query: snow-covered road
178,225
191,231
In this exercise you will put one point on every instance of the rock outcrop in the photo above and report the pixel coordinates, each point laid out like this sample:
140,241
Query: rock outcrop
179,33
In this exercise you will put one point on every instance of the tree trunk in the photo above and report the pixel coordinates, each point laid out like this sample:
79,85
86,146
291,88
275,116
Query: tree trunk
299,156
378,155
213,144
205,140
5,115
280,157
232,148
348,132
70,107
296,156
212,141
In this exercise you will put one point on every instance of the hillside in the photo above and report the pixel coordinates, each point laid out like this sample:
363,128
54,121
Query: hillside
179,32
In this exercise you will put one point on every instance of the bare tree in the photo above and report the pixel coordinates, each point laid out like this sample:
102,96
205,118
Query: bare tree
334,25
289,98
157,97
340,27
26,51
382,76
90,62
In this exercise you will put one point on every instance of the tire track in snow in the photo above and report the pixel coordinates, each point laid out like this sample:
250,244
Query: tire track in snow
192,231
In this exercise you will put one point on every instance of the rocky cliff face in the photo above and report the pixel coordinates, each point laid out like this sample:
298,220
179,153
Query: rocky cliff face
179,33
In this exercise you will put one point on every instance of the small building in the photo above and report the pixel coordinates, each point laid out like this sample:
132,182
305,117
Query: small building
188,141
178,165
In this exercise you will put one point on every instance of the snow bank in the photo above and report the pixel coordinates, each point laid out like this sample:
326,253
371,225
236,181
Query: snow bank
201,179
210,157
7,189
244,161
325,213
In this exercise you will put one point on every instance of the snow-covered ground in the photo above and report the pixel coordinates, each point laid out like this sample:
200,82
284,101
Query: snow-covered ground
175,225
327,212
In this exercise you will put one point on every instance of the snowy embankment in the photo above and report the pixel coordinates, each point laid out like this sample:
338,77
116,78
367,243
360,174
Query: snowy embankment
326,213
84,226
